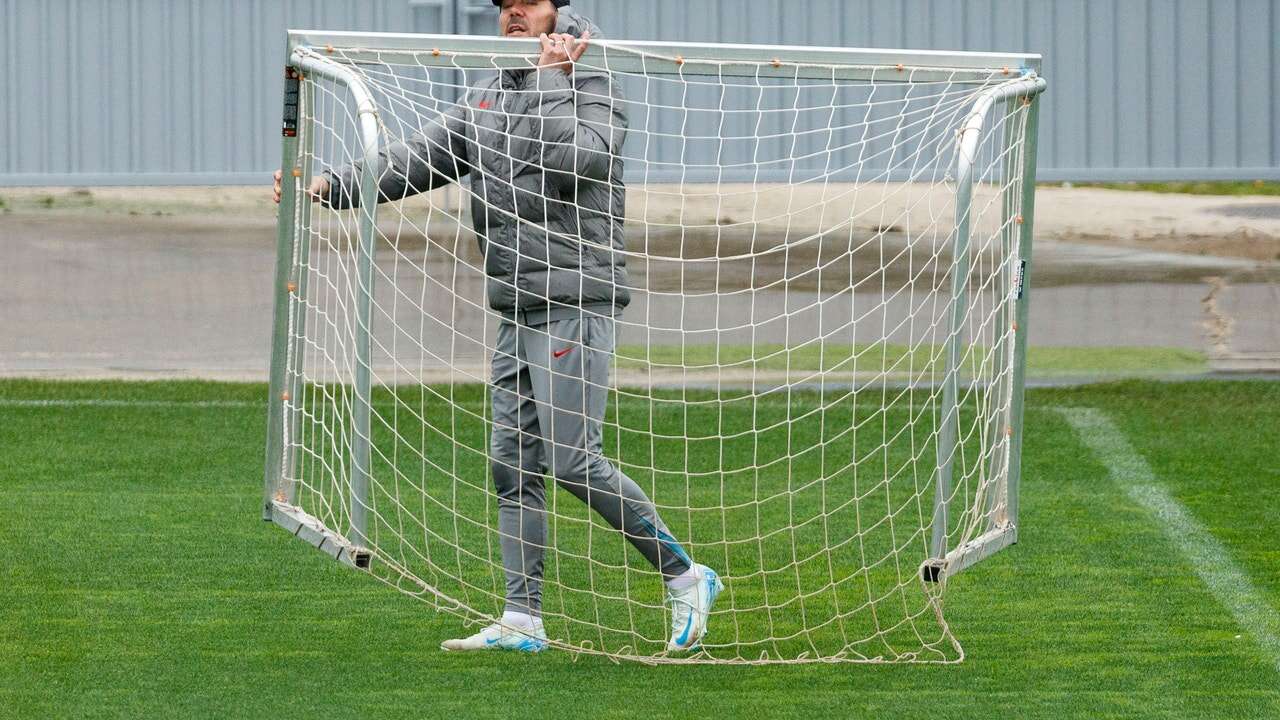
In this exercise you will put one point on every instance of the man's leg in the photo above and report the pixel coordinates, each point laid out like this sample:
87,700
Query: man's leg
516,459
515,456
568,362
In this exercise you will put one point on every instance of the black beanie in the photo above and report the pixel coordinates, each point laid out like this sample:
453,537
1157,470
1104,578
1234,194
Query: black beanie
557,3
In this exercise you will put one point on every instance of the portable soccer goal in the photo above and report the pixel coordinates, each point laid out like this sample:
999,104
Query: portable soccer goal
818,380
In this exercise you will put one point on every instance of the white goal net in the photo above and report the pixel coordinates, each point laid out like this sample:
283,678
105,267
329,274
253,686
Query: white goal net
817,378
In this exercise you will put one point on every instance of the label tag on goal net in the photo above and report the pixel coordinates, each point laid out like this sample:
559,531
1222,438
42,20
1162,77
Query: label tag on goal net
290,125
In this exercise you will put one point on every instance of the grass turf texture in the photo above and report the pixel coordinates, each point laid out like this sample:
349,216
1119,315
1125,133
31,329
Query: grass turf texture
1206,187
139,581
921,361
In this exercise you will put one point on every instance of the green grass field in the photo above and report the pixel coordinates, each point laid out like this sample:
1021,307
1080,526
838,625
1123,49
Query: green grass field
138,580
893,360
1206,187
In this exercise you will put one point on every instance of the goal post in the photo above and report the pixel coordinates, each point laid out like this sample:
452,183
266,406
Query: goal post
1016,226
819,379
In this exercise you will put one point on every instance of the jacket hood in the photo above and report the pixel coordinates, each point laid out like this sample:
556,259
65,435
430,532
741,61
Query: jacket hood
570,21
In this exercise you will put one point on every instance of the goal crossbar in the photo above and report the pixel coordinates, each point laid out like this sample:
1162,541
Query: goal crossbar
724,59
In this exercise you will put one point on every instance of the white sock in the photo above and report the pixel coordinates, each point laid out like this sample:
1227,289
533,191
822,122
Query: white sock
514,619
685,579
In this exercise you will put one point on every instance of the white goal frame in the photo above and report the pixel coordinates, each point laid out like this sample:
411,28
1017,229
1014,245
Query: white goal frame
308,53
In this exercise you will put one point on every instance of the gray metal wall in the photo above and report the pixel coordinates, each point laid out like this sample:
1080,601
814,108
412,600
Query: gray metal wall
188,91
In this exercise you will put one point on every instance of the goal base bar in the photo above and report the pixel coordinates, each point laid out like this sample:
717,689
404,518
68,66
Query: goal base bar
310,530
970,553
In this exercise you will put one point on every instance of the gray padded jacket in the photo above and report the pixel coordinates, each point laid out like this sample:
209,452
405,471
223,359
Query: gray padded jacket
542,151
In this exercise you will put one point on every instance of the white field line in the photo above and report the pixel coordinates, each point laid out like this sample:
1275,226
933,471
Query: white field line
1206,554
98,402
469,404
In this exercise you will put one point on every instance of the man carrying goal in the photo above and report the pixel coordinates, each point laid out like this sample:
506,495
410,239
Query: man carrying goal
542,149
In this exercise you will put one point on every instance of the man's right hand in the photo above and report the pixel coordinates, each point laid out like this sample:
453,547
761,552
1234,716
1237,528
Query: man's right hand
318,191
561,50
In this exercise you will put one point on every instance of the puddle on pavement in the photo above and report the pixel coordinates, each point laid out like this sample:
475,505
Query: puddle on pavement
83,297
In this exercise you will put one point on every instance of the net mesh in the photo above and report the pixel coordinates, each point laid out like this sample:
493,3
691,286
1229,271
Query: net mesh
777,381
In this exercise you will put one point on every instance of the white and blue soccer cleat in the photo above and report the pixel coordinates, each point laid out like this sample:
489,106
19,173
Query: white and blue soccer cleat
502,637
690,609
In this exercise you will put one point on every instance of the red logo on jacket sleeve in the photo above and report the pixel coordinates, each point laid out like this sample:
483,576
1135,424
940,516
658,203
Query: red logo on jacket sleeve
483,105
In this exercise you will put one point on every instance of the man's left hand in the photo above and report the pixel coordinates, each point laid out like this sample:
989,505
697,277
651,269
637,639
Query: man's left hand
561,50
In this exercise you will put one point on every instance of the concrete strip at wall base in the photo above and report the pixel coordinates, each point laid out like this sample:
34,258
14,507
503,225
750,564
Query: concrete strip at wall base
175,282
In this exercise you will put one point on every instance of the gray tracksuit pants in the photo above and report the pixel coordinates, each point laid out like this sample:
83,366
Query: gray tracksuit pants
550,386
